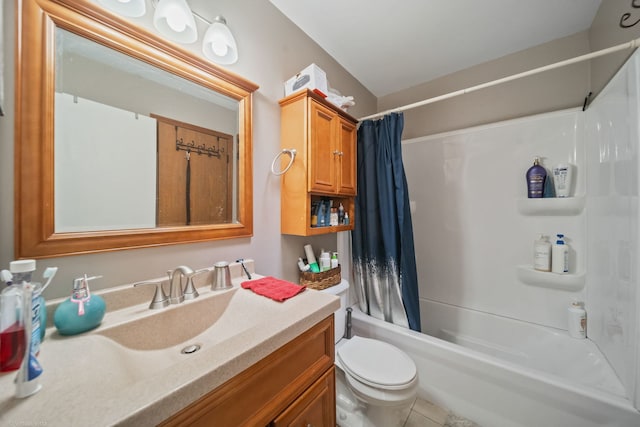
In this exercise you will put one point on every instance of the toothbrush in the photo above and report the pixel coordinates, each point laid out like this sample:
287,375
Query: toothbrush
241,261
48,274
6,277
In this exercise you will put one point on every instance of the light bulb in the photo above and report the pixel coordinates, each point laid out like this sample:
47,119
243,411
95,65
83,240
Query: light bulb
176,19
219,45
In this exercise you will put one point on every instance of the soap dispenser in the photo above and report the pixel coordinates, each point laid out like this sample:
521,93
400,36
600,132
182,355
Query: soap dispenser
82,311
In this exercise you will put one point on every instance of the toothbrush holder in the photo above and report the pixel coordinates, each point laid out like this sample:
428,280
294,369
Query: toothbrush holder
221,276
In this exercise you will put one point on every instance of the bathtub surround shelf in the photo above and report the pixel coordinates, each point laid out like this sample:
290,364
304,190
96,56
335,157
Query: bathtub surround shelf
567,282
551,206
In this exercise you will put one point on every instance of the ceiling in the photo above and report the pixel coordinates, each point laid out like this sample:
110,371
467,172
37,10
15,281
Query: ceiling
394,45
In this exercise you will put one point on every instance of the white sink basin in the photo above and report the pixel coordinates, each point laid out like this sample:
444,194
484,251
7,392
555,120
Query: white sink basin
138,343
210,318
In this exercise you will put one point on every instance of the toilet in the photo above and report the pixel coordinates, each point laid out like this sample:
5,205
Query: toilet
376,383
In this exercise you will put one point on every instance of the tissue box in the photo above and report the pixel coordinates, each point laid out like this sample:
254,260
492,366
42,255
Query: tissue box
312,77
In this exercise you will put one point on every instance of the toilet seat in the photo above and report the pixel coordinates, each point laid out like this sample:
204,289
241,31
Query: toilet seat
362,358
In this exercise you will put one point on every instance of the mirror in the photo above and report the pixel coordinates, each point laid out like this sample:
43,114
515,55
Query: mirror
122,139
170,142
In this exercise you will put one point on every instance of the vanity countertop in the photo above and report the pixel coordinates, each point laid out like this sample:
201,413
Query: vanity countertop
89,379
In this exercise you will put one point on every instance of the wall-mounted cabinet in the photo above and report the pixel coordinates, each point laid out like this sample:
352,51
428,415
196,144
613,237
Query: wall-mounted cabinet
324,137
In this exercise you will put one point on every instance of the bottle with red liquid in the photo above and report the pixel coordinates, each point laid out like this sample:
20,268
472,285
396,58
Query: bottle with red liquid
12,333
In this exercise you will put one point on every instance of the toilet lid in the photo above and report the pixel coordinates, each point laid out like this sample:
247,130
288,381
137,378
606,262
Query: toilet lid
377,363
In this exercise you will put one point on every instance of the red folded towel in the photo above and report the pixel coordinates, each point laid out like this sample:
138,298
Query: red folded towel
276,289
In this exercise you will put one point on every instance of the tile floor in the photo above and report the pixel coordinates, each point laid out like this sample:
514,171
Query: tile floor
426,414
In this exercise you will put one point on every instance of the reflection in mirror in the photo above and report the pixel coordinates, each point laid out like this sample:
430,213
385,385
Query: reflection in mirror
136,146
123,140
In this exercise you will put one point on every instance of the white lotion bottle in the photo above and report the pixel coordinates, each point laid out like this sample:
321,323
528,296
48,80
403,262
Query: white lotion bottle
577,321
325,261
562,177
560,256
542,254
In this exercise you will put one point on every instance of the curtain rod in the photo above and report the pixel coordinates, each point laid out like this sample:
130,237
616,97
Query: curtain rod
628,45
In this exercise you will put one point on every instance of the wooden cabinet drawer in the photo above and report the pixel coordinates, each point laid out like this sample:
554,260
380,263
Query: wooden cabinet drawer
315,408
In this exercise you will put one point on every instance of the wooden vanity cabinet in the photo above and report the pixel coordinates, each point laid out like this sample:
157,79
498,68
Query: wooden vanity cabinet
314,408
293,386
324,137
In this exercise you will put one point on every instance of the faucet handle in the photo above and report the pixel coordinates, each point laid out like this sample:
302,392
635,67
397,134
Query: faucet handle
190,291
159,299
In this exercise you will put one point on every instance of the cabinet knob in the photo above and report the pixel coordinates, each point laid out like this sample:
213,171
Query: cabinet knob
338,153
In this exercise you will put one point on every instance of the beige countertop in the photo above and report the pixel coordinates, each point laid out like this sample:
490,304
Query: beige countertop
90,379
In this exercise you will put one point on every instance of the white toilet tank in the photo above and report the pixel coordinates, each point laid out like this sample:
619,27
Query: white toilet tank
341,290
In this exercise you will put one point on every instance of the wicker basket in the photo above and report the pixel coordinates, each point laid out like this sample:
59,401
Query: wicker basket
320,281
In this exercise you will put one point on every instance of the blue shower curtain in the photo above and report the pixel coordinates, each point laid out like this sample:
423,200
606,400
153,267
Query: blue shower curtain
384,264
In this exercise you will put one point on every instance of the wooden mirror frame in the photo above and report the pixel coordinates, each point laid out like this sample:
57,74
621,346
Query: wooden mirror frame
36,21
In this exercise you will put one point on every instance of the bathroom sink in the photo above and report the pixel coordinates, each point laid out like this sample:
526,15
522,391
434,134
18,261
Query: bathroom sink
143,350
209,319
131,369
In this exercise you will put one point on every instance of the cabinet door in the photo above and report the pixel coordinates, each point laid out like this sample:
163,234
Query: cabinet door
322,163
347,158
315,408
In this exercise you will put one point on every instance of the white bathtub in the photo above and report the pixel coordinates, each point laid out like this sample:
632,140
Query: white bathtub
502,372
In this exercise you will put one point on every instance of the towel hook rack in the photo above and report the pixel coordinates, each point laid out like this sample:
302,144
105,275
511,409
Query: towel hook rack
291,152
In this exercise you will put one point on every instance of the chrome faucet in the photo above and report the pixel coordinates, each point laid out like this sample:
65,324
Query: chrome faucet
176,291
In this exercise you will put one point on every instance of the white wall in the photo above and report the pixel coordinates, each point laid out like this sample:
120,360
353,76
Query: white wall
469,235
613,151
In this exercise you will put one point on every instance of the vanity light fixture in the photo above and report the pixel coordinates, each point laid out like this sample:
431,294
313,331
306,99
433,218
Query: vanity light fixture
132,8
174,19
218,43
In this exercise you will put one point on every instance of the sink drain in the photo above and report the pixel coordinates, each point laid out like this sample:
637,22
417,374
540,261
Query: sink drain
190,349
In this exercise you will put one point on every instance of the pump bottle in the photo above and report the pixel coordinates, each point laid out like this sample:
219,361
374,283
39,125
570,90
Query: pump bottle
536,176
560,256
82,311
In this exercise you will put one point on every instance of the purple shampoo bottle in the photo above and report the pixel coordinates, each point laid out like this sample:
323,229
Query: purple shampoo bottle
536,176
